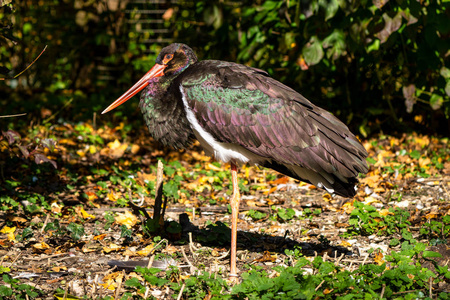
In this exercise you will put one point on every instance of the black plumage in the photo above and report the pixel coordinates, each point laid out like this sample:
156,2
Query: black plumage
240,114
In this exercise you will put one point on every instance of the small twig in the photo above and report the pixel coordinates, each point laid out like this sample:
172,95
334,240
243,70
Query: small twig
94,286
365,259
147,290
186,258
119,286
15,259
109,271
320,284
159,243
191,244
44,257
223,256
382,291
431,287
45,223
181,291
150,261
56,113
66,291
28,65
12,116
339,259
405,292
94,121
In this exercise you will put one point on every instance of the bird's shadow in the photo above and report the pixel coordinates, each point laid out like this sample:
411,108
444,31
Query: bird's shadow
218,235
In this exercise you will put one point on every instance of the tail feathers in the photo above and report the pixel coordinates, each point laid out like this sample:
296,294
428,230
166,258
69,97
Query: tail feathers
339,185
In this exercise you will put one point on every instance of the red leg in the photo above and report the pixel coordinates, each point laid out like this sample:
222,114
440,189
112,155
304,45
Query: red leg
235,199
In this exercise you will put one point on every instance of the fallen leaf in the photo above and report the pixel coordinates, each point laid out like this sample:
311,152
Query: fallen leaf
9,231
385,212
266,257
111,247
127,219
41,246
378,258
99,237
82,213
146,251
17,219
345,244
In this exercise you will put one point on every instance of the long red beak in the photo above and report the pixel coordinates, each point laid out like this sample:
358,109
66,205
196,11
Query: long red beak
156,71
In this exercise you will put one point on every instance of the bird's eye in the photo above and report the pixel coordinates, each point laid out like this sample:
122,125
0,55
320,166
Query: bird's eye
167,57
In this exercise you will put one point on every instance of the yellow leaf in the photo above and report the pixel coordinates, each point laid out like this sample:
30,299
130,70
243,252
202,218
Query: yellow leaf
369,200
146,251
345,244
91,196
327,291
99,237
184,277
348,207
431,215
212,167
115,149
7,229
424,162
128,252
9,233
371,181
120,127
127,219
385,212
17,219
67,142
135,149
114,145
200,157
423,141
85,215
111,247
59,269
114,196
379,258
63,296
109,284
41,246
81,153
205,179
92,149
326,197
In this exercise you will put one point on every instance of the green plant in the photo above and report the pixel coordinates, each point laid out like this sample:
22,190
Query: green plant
256,215
199,287
76,231
285,214
436,230
16,290
366,220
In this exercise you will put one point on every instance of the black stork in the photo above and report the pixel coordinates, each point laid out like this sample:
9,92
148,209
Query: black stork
241,115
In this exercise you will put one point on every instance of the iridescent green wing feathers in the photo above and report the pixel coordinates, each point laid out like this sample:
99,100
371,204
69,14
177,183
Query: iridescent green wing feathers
242,105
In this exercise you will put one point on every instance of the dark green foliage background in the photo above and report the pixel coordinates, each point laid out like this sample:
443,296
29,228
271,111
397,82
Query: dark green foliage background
378,65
